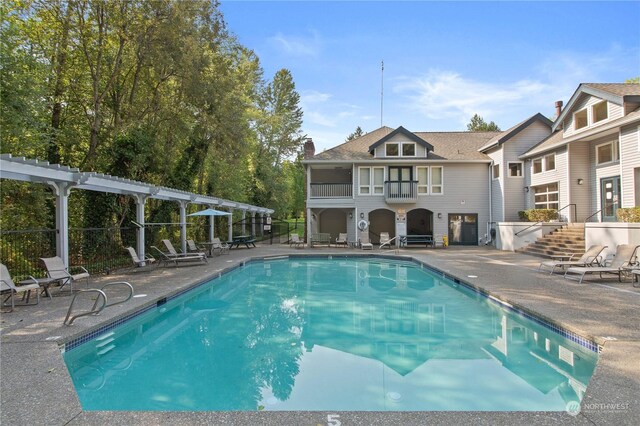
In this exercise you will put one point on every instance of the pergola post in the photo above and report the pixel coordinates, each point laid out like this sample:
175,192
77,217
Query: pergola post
253,223
62,191
141,200
244,229
230,218
212,221
264,219
183,226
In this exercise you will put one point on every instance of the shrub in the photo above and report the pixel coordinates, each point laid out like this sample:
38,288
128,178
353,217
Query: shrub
538,215
630,214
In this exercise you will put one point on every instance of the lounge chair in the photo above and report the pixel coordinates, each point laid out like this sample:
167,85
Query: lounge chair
192,247
364,242
385,241
219,246
168,258
172,252
341,239
592,257
296,241
7,285
148,260
625,257
57,271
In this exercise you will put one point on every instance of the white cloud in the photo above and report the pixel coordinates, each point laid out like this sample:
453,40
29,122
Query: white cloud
292,45
313,96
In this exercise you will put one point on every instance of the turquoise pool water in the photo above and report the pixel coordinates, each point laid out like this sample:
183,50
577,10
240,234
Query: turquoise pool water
321,334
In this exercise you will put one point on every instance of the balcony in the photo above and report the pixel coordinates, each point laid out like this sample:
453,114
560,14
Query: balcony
401,191
331,190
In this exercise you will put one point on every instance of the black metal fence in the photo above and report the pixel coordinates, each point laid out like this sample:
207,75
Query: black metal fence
21,251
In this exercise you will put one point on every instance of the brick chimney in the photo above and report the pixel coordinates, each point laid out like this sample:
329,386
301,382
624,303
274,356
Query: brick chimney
309,149
558,108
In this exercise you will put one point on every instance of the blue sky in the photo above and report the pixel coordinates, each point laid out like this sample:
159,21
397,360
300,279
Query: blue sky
443,61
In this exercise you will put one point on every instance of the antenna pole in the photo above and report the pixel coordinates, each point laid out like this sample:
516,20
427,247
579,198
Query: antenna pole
381,92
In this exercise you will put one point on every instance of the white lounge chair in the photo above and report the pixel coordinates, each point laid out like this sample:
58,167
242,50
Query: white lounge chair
148,260
219,246
174,253
341,239
57,271
625,257
365,244
385,240
168,258
7,285
295,241
592,257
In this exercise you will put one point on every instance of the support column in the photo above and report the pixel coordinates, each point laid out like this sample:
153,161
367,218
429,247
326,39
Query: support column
141,200
230,217
264,219
183,225
212,221
253,223
62,191
244,230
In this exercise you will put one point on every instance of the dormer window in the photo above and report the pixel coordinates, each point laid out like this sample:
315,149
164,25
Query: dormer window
600,111
409,149
580,119
392,150
397,149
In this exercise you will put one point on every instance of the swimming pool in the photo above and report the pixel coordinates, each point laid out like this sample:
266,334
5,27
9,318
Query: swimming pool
347,334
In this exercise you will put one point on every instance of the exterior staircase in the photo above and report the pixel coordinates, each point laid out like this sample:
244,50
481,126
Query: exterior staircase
566,240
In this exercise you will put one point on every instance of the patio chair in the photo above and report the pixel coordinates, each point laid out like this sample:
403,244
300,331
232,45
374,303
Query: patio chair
341,239
385,241
172,252
148,260
219,246
364,242
194,248
625,257
592,257
7,285
168,258
295,241
57,271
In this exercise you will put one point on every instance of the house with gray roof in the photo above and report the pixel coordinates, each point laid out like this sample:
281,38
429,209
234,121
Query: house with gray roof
461,184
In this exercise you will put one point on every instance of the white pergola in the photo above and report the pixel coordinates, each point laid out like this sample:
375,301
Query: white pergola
62,179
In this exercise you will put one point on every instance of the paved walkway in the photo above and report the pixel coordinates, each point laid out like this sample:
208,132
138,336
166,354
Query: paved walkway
36,387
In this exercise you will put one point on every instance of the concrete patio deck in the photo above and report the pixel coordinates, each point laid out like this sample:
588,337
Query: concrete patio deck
37,389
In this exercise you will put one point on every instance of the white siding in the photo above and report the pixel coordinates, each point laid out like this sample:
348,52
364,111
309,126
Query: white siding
497,197
587,101
514,195
629,161
579,168
559,175
599,172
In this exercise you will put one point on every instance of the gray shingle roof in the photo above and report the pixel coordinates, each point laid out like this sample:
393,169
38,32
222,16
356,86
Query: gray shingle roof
619,89
512,131
446,146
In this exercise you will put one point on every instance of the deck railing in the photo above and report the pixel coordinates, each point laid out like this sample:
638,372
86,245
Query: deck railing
331,190
401,191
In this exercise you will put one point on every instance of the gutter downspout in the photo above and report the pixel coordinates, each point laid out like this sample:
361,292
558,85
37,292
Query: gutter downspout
489,239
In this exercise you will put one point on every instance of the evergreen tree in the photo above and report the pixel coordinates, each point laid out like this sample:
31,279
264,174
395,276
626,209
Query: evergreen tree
477,124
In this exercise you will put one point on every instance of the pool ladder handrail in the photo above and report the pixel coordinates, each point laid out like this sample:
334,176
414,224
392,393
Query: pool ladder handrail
102,296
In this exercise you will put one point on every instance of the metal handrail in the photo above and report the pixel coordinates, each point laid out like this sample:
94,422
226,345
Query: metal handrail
592,215
557,211
118,283
94,310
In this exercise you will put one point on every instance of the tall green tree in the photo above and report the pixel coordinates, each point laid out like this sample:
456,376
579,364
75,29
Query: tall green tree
355,134
477,124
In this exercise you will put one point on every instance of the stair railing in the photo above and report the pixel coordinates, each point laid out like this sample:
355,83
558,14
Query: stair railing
101,300
557,211
593,214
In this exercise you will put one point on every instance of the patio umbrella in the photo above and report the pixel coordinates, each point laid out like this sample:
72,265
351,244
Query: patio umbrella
210,212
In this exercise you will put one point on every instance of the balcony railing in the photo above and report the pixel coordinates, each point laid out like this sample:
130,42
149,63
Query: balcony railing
331,190
401,191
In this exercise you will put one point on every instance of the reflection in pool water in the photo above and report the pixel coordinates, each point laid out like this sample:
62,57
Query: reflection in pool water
318,334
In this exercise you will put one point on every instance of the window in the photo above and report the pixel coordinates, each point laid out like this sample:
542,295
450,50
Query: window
549,162
495,171
365,180
378,180
391,150
423,180
371,180
600,112
537,165
580,119
408,149
607,153
515,169
436,180
546,196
